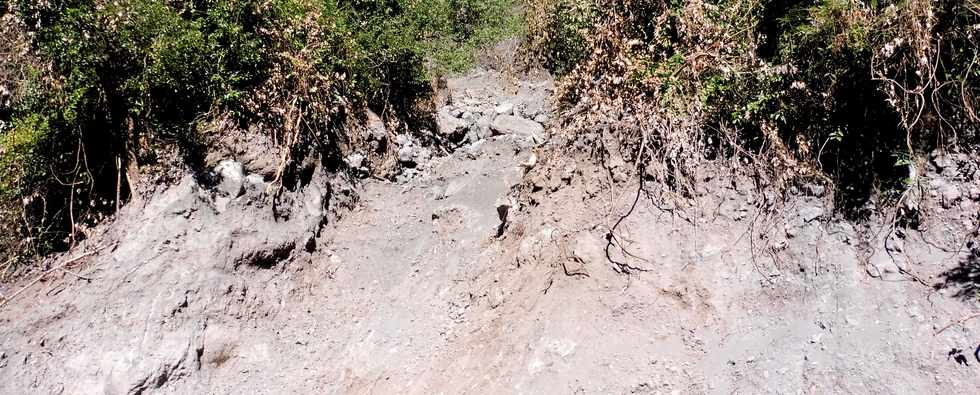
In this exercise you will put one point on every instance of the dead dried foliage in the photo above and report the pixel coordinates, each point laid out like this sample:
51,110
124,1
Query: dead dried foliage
839,92
636,82
928,62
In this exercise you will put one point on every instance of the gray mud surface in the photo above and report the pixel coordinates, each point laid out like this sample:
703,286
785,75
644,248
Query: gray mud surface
406,287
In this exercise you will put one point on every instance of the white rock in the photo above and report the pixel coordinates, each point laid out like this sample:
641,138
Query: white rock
949,194
451,126
509,124
355,160
974,193
232,177
811,213
505,108
815,190
531,162
406,154
255,179
496,297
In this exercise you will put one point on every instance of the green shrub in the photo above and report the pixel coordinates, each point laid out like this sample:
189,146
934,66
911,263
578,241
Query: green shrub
557,31
843,92
813,99
115,80
22,161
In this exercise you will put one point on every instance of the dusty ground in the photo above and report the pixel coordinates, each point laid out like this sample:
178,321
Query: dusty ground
405,287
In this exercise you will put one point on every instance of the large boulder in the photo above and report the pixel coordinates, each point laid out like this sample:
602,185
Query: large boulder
505,108
451,127
517,126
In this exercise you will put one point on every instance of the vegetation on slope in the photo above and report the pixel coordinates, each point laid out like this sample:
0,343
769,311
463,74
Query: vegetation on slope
845,92
93,88
848,93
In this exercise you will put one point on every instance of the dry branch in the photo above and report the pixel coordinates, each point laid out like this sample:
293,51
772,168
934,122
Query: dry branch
60,267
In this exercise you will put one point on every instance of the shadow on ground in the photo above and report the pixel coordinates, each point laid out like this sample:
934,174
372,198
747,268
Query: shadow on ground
966,277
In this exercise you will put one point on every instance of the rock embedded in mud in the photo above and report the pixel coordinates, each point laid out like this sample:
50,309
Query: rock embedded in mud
791,231
406,154
941,161
504,205
438,192
496,297
232,177
815,190
505,108
255,181
376,126
355,160
949,194
423,155
473,150
974,193
315,202
517,126
619,175
450,126
769,198
407,175
407,150
479,130
811,213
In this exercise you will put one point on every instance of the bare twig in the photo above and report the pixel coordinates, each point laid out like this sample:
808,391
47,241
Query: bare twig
76,275
52,270
959,321
6,266
118,180
580,272
60,267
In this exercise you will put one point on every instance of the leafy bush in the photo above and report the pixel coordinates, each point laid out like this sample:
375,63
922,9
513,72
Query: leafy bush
826,115
839,91
864,87
23,144
451,32
558,29
101,86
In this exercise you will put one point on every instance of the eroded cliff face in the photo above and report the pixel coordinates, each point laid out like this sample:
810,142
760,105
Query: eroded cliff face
511,264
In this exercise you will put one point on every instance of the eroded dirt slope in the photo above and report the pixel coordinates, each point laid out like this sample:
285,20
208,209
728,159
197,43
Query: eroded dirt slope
406,286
